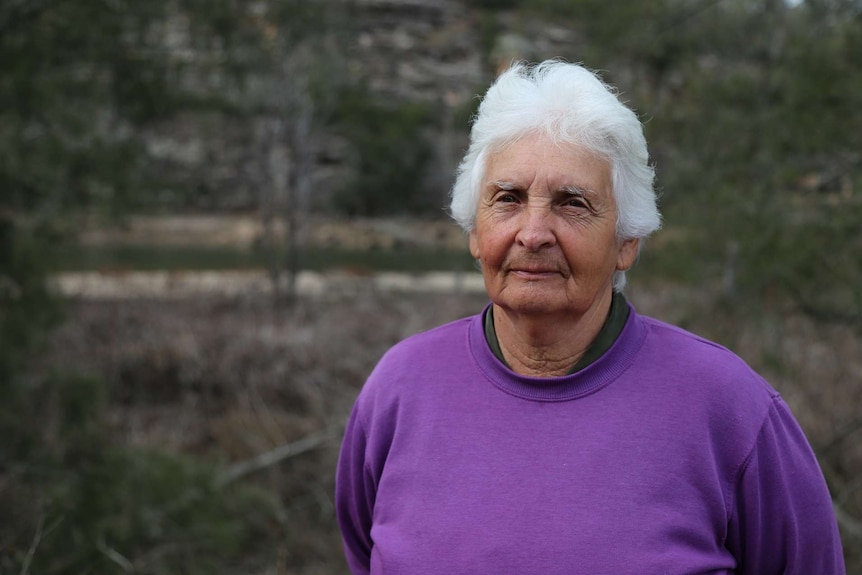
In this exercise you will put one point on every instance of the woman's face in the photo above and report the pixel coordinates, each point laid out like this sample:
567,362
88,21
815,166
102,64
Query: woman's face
545,230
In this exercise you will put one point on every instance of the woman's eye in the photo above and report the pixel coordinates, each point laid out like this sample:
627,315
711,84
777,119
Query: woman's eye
507,198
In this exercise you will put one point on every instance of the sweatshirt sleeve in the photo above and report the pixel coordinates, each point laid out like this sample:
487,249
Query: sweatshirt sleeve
782,521
355,491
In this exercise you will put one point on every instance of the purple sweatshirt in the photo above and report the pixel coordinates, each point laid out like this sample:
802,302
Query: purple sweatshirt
668,455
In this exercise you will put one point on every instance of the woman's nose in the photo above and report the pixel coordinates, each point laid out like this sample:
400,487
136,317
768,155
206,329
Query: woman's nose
536,228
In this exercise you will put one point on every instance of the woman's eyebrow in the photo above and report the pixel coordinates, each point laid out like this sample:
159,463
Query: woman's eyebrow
504,185
578,191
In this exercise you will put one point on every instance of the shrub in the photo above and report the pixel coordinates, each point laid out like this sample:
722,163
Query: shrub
75,501
391,155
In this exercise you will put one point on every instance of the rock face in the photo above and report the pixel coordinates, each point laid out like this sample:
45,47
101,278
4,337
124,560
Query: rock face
446,50
420,50
440,53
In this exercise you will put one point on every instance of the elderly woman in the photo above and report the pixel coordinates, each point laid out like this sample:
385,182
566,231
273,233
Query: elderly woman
559,431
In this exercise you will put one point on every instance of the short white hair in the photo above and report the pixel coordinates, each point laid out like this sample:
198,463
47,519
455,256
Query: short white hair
571,105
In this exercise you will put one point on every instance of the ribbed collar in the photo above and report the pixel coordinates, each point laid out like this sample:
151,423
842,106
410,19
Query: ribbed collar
611,329
588,380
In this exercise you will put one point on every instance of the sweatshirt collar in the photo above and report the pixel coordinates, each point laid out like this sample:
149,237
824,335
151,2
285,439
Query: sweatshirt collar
599,373
611,329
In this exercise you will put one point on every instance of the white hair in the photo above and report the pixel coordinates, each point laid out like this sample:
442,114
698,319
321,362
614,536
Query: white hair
571,105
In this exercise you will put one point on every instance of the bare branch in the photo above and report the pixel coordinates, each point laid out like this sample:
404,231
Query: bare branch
277,455
36,539
114,556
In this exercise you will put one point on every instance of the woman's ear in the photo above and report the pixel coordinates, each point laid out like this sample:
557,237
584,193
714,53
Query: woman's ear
474,245
627,254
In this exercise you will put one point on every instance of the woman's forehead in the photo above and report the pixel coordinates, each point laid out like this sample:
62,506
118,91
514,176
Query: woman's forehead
538,158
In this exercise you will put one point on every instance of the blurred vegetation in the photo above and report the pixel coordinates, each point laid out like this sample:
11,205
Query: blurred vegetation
759,156
80,86
752,111
392,154
177,258
75,501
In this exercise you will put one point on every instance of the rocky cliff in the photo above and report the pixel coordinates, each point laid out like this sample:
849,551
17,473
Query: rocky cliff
440,53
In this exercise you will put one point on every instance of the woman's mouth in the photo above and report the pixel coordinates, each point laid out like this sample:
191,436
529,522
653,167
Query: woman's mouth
535,273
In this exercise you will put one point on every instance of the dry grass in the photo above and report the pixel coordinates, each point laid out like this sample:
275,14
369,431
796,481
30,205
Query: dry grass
228,378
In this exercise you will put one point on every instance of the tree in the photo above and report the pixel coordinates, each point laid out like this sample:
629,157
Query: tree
768,148
391,155
79,82
291,57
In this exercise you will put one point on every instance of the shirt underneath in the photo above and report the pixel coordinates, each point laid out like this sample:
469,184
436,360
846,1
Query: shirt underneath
613,326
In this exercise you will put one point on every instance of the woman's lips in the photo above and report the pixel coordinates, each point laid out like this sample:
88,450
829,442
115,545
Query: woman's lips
535,273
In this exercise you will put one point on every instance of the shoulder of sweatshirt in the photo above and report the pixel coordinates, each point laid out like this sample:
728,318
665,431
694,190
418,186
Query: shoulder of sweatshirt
697,366
415,360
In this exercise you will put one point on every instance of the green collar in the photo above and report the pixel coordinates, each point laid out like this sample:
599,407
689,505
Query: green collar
617,316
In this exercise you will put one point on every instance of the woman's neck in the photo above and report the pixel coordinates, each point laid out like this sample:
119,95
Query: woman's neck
547,345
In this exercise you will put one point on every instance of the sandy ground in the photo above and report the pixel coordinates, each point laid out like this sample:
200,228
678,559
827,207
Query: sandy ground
187,284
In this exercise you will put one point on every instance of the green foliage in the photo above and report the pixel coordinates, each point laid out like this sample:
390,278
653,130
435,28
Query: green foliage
494,4
182,258
752,119
624,29
94,505
391,156
27,308
77,78
751,112
489,31
80,84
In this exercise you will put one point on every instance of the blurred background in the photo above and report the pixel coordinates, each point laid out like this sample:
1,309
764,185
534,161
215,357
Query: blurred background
215,216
